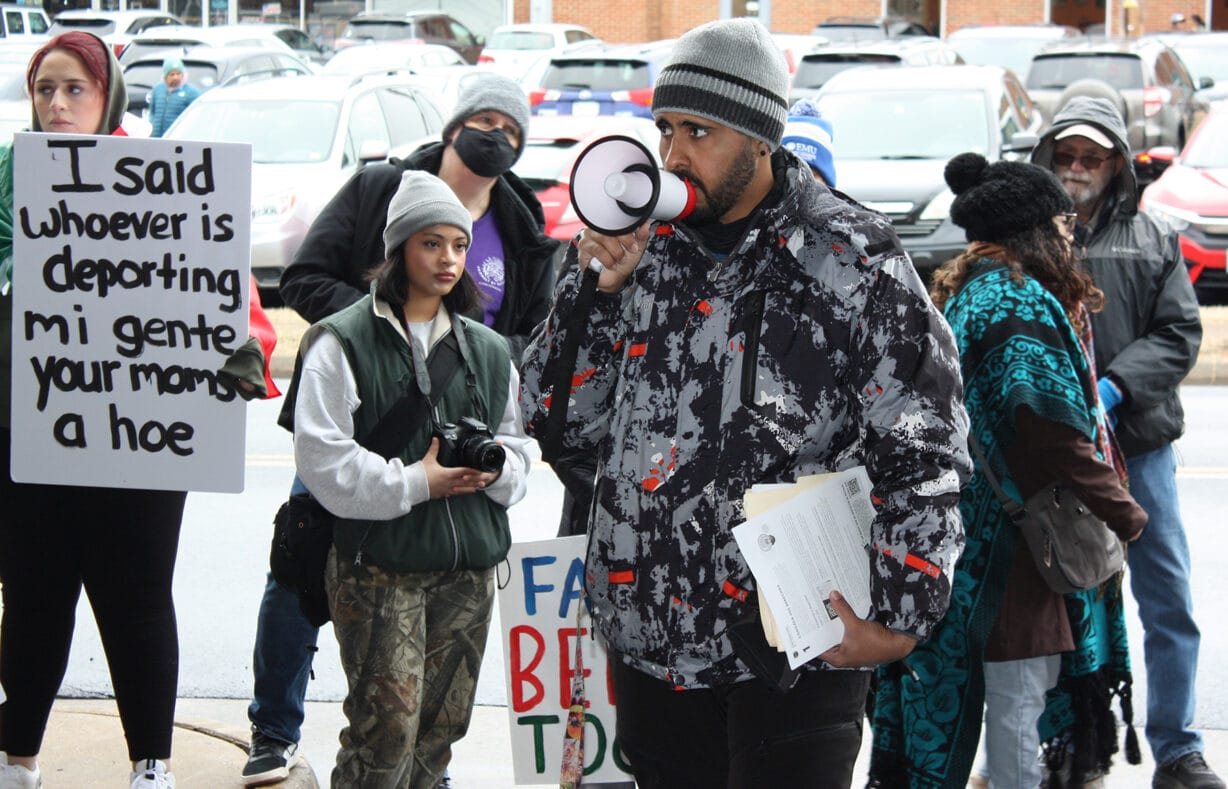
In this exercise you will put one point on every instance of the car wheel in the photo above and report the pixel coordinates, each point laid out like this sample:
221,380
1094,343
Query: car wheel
1096,89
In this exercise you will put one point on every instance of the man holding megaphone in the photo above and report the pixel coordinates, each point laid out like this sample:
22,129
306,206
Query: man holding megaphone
775,329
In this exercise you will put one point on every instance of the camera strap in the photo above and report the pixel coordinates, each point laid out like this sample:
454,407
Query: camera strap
394,429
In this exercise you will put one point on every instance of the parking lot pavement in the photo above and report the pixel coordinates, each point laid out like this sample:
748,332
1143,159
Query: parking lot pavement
84,746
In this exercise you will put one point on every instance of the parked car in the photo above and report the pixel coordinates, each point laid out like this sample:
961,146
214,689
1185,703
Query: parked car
513,48
1143,77
1012,46
1205,55
23,23
1191,197
896,128
616,80
179,39
299,42
824,62
14,100
391,57
308,135
856,28
796,45
116,28
210,67
416,27
550,150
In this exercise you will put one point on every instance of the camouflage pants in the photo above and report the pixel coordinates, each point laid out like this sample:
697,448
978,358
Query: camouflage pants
411,645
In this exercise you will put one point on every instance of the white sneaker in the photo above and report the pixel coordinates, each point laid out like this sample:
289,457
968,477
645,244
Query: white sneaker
14,776
153,775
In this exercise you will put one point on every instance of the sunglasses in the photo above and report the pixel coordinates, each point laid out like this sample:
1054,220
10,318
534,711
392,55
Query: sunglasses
1068,220
1089,162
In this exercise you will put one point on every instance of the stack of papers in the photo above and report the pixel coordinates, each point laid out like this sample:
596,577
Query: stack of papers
803,541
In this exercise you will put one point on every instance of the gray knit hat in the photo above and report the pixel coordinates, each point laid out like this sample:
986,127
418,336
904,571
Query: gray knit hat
491,92
422,200
731,72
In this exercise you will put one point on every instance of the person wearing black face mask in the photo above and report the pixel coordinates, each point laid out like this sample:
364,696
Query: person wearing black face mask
511,255
510,258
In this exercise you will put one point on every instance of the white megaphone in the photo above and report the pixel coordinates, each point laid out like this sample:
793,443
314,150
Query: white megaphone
616,185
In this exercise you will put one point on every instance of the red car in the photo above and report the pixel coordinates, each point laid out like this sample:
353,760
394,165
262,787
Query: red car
550,153
1191,197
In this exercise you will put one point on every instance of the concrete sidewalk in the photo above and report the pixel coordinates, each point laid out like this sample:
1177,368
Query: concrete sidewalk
84,747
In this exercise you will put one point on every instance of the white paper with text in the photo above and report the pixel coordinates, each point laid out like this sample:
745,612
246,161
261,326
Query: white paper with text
802,541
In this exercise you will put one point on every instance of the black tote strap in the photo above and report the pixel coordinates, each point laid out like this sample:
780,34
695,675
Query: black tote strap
551,442
391,434
1013,508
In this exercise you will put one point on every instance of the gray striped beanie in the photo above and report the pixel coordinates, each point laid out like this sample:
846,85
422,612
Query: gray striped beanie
730,72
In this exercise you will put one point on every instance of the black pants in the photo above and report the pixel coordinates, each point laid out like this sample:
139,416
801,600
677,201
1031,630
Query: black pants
743,735
121,545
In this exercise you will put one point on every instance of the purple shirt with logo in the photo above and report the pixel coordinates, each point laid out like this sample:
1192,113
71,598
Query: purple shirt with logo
485,264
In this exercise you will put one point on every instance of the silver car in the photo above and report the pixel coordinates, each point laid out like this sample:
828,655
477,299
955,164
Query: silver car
308,135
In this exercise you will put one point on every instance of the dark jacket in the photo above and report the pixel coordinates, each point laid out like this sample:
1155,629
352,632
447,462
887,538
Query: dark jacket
329,271
811,347
1148,334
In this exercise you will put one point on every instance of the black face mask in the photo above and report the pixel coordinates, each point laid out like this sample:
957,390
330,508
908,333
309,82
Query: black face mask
487,153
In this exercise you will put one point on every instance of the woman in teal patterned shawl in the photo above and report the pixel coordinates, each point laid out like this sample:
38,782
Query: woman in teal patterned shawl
1016,302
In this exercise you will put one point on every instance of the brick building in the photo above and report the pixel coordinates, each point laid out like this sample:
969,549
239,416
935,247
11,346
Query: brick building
647,20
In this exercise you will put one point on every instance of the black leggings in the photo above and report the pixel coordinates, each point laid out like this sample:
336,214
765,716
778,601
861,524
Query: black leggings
120,544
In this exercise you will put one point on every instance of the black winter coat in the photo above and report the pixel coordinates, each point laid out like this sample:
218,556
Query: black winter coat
329,271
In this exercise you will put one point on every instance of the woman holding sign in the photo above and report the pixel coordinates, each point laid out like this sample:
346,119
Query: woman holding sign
421,498
120,544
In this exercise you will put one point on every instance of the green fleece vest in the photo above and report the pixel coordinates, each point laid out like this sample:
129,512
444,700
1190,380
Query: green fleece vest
458,533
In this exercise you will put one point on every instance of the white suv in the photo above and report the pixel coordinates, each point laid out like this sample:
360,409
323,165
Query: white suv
23,23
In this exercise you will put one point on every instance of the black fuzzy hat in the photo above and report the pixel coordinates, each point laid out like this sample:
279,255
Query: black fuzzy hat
994,202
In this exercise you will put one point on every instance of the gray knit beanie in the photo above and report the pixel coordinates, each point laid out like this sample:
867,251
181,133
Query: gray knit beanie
731,72
422,200
491,92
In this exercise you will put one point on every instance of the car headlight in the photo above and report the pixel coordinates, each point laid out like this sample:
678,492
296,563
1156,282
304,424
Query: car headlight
274,207
1175,219
940,207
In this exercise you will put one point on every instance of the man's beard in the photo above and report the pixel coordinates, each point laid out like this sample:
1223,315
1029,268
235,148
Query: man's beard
1083,189
725,194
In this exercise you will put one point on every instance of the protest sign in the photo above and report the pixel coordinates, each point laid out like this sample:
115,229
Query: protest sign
130,288
537,611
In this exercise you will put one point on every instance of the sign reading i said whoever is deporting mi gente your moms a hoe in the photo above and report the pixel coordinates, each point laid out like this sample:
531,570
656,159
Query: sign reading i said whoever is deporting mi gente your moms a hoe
130,288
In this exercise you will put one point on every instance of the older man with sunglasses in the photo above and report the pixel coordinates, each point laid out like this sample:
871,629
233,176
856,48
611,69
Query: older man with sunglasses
1147,339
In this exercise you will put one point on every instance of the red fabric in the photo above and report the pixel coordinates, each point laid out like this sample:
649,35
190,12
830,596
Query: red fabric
260,327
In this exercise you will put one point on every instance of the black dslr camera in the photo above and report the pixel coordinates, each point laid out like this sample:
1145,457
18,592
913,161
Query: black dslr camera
469,444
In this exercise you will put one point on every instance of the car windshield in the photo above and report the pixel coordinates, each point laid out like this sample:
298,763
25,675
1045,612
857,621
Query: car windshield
285,131
377,31
96,25
596,74
851,32
1012,53
814,70
1122,71
920,124
1209,148
1204,61
520,39
149,73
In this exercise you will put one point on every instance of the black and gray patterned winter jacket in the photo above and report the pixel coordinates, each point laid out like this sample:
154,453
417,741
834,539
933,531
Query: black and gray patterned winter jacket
812,347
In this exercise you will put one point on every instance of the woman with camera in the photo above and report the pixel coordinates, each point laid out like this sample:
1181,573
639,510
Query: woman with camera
419,487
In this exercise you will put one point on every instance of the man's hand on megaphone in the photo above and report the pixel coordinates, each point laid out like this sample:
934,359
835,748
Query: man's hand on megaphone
617,255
